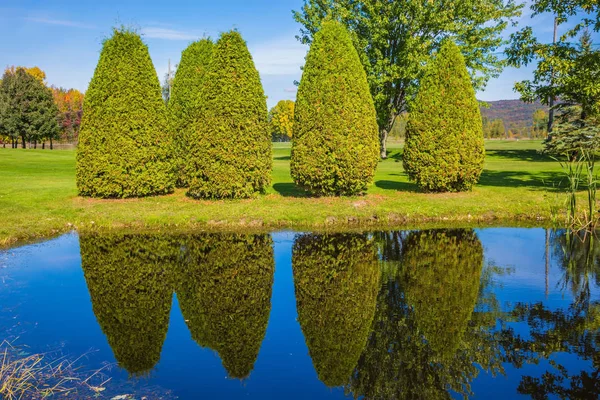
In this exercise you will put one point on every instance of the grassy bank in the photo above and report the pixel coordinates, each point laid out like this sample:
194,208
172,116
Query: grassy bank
38,197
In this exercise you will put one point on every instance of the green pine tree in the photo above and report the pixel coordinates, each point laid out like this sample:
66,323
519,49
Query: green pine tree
230,143
27,109
184,103
444,148
124,149
335,147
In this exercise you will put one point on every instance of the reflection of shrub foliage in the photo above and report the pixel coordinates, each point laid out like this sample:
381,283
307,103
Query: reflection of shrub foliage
397,363
440,273
336,279
129,280
224,291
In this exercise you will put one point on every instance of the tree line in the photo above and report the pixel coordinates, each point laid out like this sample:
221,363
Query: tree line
31,112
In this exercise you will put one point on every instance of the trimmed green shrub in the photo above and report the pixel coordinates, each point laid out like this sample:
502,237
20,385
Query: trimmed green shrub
224,290
124,148
184,104
129,278
230,143
444,148
336,278
441,271
335,143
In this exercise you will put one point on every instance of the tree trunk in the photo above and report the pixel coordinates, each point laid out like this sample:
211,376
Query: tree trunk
44,145
383,135
24,144
35,144
51,148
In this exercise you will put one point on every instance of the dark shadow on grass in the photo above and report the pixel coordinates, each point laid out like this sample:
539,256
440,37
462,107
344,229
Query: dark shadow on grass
550,181
397,186
289,190
520,155
283,158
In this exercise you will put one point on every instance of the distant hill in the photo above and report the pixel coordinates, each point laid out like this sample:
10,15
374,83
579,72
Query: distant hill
515,114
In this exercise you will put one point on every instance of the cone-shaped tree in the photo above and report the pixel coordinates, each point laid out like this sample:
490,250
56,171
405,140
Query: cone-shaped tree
184,104
130,285
230,143
124,149
336,279
335,145
444,148
441,271
224,291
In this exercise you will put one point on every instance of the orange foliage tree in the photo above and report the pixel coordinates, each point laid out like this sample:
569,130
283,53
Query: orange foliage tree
70,110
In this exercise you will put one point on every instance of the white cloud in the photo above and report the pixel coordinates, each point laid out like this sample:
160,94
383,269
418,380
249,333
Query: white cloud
168,34
279,57
291,90
60,22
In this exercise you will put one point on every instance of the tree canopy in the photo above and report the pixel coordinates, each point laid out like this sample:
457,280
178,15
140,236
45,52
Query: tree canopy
444,149
125,149
335,147
230,144
27,108
281,120
397,39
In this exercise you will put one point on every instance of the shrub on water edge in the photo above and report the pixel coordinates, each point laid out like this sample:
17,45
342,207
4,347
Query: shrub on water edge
444,149
184,104
230,143
335,143
124,148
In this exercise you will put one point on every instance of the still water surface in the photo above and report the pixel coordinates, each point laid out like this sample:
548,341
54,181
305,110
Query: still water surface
491,313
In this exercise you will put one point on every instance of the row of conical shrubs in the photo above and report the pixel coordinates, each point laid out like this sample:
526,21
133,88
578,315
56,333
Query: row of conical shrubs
214,138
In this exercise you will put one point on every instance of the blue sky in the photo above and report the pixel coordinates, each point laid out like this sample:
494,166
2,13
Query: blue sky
63,37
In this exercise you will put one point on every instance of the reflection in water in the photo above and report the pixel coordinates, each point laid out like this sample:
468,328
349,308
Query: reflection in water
440,272
424,304
224,291
336,278
578,254
129,279
223,283
406,315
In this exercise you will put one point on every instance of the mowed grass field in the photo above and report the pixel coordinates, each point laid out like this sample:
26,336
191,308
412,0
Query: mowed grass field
38,197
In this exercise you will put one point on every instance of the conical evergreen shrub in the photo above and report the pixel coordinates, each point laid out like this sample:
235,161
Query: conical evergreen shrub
335,147
444,148
184,104
230,144
124,149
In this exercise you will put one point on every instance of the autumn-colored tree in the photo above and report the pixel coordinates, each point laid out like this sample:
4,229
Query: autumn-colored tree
281,120
36,72
70,110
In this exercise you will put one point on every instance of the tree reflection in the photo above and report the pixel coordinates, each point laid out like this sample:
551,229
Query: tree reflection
129,278
336,278
426,340
224,290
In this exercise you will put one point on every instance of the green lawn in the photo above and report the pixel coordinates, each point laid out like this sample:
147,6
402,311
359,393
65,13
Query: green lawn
38,197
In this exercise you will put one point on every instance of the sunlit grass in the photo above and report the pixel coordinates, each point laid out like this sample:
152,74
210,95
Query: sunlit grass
38,197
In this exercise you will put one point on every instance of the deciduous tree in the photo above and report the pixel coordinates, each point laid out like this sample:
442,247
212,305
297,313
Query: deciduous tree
281,120
396,40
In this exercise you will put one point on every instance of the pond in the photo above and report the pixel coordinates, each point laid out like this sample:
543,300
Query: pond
484,313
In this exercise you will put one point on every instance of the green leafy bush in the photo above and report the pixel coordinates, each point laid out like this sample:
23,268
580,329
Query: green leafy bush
444,148
224,290
336,278
335,147
230,143
441,272
129,278
184,104
124,146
